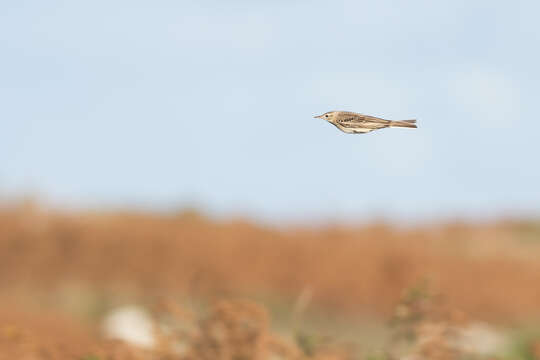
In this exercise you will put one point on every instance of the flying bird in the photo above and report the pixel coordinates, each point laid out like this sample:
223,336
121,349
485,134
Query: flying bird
354,123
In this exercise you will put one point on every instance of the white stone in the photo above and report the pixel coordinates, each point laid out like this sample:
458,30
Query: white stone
481,339
130,324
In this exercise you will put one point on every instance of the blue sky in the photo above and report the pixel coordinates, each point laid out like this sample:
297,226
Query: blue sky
166,103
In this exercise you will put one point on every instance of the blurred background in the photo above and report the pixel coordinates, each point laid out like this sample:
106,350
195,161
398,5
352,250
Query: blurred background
163,181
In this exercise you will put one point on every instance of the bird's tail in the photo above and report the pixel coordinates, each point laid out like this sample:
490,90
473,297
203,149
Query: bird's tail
404,124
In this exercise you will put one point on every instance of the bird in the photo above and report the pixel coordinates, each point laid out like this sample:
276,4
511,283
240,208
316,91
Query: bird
354,123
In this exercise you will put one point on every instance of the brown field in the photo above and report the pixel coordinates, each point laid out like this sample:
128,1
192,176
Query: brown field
489,271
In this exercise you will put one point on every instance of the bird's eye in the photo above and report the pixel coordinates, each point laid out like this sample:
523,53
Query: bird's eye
325,115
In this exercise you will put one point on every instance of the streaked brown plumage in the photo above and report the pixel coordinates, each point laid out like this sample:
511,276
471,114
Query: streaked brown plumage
354,123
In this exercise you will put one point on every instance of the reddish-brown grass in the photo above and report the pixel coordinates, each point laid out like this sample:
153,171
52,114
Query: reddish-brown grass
491,271
36,335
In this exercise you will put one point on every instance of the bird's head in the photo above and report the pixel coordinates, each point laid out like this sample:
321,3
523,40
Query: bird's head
329,116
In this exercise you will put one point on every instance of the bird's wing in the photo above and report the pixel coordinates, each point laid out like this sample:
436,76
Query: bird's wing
358,120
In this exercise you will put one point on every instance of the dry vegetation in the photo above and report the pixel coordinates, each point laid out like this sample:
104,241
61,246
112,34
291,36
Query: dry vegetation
489,271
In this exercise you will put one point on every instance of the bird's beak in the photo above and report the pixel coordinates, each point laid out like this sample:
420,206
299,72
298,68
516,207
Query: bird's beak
318,117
